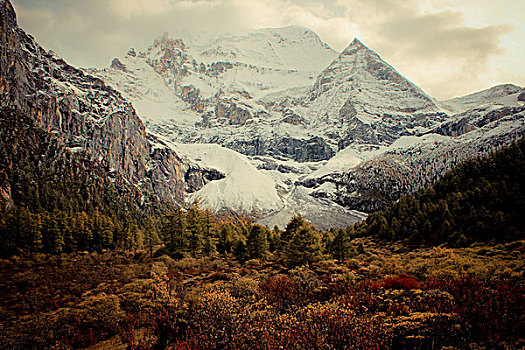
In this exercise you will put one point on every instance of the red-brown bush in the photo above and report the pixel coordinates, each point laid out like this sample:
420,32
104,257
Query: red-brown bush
405,282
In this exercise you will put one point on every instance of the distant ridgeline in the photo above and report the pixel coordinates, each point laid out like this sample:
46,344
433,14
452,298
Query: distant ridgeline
54,199
480,199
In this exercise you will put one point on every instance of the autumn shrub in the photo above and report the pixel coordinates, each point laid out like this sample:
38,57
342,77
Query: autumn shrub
279,290
400,282
97,317
492,310
245,288
93,320
334,326
425,330
217,317
307,284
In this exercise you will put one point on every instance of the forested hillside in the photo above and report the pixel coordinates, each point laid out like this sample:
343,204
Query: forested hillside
479,200
186,279
56,199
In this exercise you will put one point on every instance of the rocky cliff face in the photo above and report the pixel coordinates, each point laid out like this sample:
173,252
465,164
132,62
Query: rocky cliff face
474,119
83,111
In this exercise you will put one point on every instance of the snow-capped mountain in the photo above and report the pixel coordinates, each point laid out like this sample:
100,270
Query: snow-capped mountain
270,123
504,95
229,86
369,100
319,132
371,179
298,94
86,114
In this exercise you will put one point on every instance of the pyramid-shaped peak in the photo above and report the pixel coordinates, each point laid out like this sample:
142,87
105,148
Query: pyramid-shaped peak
355,45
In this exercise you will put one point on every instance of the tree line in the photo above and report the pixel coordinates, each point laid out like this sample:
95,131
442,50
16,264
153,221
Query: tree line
181,233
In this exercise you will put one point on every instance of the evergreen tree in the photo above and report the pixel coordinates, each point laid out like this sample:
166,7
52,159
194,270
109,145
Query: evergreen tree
106,232
35,233
292,227
274,239
209,247
340,247
136,238
83,232
150,235
195,230
304,247
52,234
257,243
240,251
226,239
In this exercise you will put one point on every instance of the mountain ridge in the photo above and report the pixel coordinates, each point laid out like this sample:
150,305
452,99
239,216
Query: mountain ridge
84,112
366,137
371,106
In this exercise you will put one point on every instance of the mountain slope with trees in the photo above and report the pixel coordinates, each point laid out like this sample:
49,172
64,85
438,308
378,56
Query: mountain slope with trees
481,199
56,199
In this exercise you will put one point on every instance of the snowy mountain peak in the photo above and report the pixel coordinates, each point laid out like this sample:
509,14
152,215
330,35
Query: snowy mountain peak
355,46
370,99
295,34
165,42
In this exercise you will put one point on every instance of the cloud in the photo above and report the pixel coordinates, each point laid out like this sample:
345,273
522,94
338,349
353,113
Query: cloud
440,44
133,8
447,47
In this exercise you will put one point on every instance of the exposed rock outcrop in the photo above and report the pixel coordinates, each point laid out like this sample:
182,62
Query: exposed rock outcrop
83,111
309,150
521,96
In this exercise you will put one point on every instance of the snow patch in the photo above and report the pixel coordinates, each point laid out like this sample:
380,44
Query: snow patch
244,189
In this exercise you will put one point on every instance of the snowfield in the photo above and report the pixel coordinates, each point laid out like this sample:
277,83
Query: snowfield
244,189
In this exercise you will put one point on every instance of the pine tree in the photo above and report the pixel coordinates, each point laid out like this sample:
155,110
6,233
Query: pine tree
340,247
174,234
136,237
107,231
304,247
295,223
35,233
226,237
274,239
208,247
150,235
239,250
96,227
195,230
83,232
52,233
257,243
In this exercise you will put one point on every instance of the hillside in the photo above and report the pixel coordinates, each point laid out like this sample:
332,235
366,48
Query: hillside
481,199
45,183
84,112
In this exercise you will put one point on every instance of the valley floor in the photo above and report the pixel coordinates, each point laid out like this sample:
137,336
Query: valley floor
385,296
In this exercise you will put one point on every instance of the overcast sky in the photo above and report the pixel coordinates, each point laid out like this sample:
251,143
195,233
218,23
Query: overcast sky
447,47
